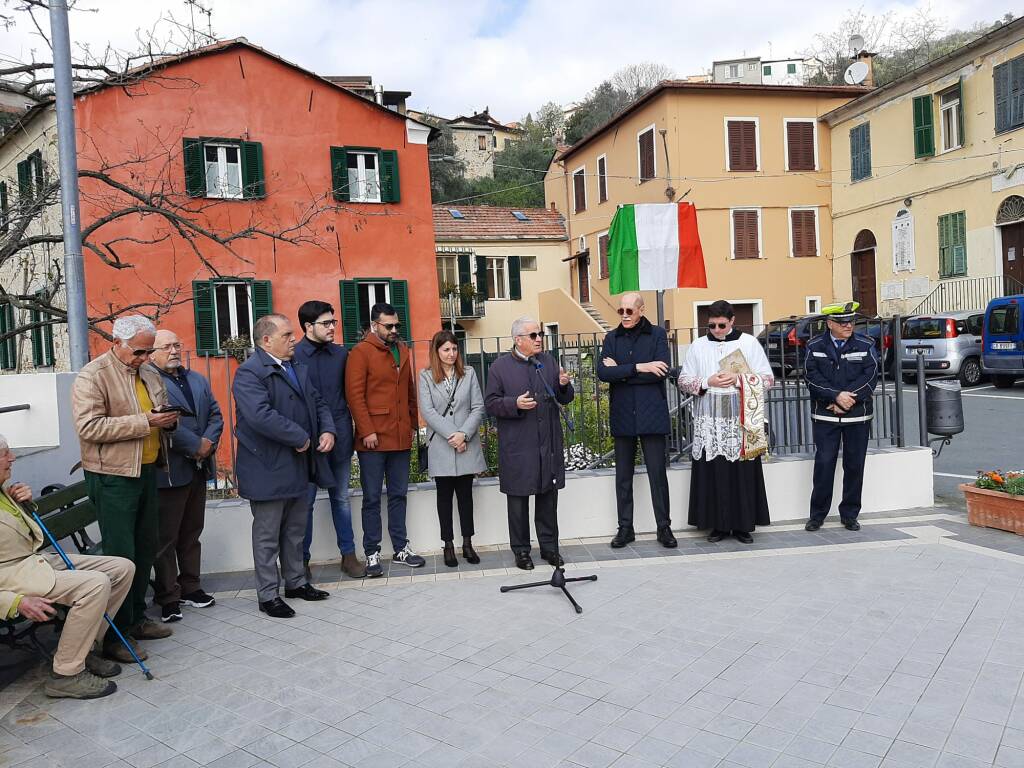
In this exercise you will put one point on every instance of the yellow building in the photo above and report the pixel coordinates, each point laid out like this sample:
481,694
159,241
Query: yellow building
928,186
497,264
756,162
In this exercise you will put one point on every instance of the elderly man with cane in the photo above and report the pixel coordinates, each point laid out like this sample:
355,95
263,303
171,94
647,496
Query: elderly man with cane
32,583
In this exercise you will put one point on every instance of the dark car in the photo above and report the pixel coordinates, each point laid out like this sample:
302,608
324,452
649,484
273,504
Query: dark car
785,340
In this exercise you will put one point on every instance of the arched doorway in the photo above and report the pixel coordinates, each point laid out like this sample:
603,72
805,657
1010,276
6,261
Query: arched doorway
1010,220
862,268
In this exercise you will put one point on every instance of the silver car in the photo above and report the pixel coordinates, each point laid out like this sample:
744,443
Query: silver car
950,343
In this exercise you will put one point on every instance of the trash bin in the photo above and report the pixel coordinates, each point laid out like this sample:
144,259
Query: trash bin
945,408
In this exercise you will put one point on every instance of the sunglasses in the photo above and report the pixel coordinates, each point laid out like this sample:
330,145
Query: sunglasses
142,352
719,326
628,311
326,323
389,326
535,335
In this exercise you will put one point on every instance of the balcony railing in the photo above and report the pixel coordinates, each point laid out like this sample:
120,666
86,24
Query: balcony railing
967,293
456,306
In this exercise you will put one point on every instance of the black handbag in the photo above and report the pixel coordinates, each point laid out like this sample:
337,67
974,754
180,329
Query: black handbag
422,454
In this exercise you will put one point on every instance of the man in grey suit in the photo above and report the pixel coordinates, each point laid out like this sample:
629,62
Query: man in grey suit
182,483
285,435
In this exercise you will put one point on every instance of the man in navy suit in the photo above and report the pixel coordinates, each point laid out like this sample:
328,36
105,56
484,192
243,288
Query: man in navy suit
182,482
285,436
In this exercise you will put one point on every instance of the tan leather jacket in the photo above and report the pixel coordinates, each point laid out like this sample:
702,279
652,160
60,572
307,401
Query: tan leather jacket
110,424
24,570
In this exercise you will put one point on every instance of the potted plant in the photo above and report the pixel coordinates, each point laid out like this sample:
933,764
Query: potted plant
996,500
237,346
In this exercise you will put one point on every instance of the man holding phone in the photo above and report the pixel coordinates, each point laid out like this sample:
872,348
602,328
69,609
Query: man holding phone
116,402
182,482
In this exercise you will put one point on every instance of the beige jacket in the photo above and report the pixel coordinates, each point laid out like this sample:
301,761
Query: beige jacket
23,569
110,424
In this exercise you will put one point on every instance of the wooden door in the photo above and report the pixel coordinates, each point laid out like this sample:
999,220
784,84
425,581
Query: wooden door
863,269
1013,250
583,275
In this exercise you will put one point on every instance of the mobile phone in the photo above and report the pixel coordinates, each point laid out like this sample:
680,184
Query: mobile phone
178,409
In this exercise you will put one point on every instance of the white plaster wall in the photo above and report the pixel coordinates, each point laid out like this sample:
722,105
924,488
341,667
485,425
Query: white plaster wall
893,479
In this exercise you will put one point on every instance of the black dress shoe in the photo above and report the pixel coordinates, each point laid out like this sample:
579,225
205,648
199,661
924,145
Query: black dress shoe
666,538
716,536
743,537
277,609
524,561
623,537
553,558
307,592
851,525
468,552
812,525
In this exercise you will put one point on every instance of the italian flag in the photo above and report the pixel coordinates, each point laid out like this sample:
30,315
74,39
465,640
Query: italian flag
655,246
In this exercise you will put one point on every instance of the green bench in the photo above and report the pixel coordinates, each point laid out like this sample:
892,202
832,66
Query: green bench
66,512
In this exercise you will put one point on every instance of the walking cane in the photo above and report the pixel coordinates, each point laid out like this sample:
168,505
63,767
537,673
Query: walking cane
67,562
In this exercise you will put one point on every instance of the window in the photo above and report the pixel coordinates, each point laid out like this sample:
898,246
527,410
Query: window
42,337
801,145
860,152
520,216
952,118
1003,320
646,163
8,347
924,128
227,308
602,254
497,278
5,222
358,297
791,69
367,175
741,144
1009,94
751,66
481,142
734,70
579,190
812,304
224,168
528,263
602,179
953,244
30,177
803,232
494,140
767,70
447,271
456,213
746,233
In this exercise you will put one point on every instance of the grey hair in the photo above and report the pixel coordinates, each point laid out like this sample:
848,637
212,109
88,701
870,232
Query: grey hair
266,326
130,326
520,323
3,443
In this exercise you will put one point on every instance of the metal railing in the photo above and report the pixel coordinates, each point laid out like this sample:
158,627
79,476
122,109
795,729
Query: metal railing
965,294
452,306
590,444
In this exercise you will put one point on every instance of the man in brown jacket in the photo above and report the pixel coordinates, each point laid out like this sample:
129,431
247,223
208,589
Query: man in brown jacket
32,581
116,403
381,394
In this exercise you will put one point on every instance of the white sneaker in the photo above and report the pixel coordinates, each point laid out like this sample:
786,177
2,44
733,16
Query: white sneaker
410,558
373,566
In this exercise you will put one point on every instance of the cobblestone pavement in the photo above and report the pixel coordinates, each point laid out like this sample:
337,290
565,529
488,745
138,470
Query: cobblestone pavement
899,646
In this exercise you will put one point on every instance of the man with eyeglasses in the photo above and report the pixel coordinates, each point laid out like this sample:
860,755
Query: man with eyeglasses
118,405
182,482
381,392
531,460
841,369
635,361
325,362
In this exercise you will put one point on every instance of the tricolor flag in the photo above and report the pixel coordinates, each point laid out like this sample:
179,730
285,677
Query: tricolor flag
654,246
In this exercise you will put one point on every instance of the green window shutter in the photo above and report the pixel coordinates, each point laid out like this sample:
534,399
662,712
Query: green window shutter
262,299
400,301
24,181
1001,76
465,276
203,302
254,184
515,288
349,312
4,208
42,339
36,163
865,150
856,153
960,114
959,232
195,170
481,276
387,161
924,127
339,176
8,361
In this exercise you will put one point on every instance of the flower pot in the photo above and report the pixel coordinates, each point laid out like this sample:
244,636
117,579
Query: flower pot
994,509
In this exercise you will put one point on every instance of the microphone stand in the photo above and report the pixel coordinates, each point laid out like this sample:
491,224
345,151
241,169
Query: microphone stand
558,579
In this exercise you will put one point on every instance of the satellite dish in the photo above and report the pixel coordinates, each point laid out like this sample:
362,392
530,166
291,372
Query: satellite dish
856,45
856,73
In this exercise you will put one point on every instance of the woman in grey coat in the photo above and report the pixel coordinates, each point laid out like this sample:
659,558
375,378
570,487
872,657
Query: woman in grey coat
452,404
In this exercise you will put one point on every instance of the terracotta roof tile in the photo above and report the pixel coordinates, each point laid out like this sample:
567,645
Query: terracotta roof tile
486,222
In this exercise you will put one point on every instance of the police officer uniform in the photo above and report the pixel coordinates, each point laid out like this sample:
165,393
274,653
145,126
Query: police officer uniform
833,366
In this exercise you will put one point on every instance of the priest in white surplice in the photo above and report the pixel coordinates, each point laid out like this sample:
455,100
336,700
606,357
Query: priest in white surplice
727,492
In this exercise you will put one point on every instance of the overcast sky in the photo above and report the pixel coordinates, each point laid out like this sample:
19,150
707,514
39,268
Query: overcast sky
458,56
